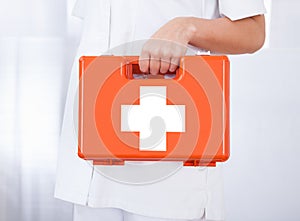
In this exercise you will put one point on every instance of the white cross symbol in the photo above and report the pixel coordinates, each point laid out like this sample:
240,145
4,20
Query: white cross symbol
153,118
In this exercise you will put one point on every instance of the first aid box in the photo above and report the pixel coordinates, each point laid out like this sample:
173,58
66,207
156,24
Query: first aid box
127,115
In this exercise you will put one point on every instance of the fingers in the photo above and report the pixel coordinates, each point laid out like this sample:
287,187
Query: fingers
154,65
151,65
174,64
144,61
150,59
164,65
159,56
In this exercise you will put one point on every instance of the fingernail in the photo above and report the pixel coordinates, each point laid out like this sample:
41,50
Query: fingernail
143,69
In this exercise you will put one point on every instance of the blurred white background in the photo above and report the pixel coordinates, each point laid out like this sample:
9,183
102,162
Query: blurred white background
38,40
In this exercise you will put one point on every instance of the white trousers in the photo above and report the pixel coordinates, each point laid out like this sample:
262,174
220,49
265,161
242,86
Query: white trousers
83,213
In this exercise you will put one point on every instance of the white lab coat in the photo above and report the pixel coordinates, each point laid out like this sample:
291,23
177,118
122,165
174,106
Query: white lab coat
189,192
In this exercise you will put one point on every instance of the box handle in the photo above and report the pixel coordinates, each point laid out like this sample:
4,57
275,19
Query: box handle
133,72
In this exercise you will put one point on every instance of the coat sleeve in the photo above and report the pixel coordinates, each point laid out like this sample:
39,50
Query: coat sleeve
236,10
79,9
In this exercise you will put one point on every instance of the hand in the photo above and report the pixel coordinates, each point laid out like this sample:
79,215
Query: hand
163,51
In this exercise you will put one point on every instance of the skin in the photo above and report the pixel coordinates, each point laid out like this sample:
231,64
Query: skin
162,52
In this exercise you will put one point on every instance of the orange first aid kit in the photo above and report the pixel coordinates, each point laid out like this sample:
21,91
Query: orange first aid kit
127,115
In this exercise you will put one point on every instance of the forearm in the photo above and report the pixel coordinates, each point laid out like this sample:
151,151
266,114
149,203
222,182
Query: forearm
163,51
225,36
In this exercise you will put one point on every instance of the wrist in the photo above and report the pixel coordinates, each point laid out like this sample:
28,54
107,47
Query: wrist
199,32
190,29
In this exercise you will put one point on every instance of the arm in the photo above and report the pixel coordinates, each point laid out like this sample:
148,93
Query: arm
230,37
219,35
